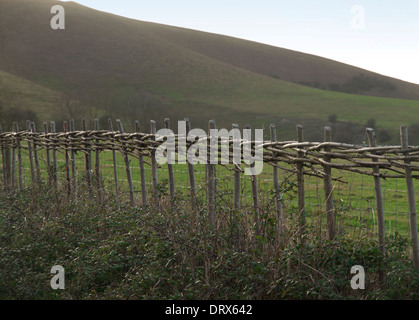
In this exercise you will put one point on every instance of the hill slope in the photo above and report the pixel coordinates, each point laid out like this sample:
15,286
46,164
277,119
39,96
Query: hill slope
287,64
22,99
106,65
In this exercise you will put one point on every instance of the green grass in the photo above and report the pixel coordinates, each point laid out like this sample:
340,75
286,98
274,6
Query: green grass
21,99
354,198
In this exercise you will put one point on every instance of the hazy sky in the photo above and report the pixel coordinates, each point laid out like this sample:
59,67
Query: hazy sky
378,35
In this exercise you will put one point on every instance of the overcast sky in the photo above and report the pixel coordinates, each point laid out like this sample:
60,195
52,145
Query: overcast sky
377,35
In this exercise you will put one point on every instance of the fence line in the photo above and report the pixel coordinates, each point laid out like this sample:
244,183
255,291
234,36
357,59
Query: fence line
303,158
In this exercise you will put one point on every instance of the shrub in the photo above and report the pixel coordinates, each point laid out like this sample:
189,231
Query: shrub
113,251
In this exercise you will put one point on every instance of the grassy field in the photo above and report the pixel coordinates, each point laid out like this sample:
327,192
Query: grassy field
354,194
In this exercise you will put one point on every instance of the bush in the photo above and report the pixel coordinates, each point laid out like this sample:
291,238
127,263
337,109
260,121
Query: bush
113,251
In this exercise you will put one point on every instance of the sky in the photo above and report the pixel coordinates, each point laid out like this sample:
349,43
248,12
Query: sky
377,35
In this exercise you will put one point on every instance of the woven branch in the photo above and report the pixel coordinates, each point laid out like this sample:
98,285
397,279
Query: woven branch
348,157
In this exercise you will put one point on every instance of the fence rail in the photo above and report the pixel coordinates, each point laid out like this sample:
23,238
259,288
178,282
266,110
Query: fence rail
324,160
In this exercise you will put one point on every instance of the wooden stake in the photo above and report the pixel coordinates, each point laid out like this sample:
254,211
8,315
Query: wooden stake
47,150
237,170
378,193
97,166
328,187
127,166
4,160
278,196
170,168
153,130
30,151
300,183
142,170
191,169
54,156
411,196
73,161
13,178
19,157
67,162
256,207
115,168
379,201
35,154
211,182
88,161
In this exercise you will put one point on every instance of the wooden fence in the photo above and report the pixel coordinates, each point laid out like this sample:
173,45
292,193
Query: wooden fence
298,157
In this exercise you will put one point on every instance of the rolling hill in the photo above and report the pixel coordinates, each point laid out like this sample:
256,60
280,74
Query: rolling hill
103,65
21,98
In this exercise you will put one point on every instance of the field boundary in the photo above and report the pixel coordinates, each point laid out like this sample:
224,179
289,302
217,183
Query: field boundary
303,158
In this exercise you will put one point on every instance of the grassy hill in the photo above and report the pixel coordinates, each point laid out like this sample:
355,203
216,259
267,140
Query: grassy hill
103,65
23,99
288,65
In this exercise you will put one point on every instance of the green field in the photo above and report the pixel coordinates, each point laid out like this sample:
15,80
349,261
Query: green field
354,194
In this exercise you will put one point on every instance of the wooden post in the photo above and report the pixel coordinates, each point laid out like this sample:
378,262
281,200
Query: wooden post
54,155
127,166
97,166
211,182
7,162
8,159
237,171
67,161
4,160
30,151
142,170
88,160
300,184
411,196
115,168
328,187
35,154
47,150
170,167
8,167
19,156
191,169
379,201
73,161
13,177
153,130
256,207
378,193
278,196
